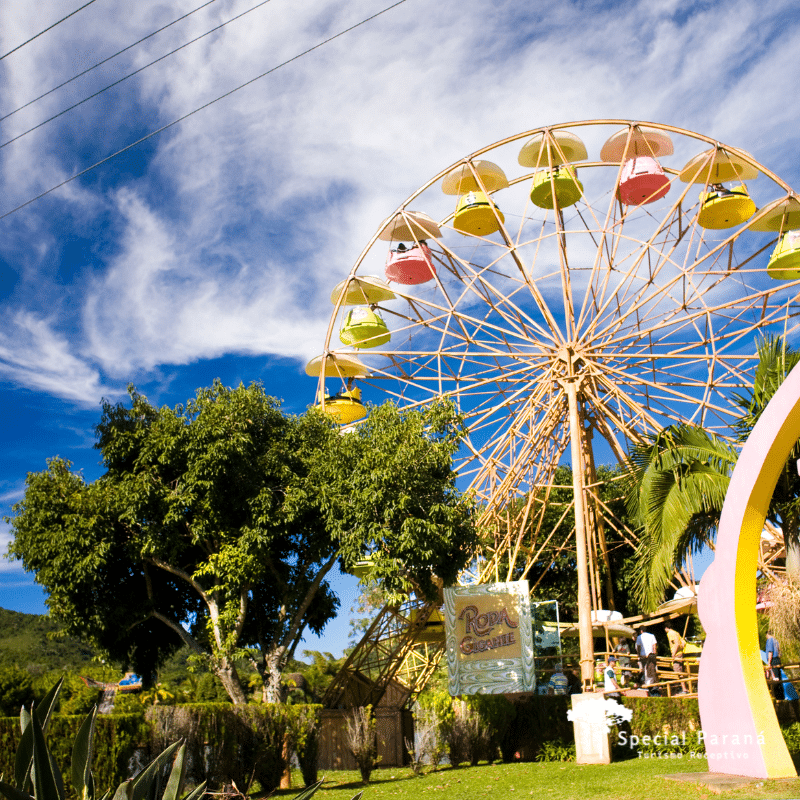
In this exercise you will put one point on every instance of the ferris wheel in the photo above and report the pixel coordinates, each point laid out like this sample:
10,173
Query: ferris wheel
572,289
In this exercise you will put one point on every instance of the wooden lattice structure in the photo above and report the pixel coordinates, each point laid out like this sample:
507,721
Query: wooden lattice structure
389,660
568,333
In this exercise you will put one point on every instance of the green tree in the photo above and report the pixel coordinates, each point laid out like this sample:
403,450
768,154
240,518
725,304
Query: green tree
216,524
679,477
16,690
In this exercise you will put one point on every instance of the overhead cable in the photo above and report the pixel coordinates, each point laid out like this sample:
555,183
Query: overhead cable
131,74
106,60
200,108
48,28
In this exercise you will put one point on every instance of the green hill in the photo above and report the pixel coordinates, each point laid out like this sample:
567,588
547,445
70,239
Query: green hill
31,642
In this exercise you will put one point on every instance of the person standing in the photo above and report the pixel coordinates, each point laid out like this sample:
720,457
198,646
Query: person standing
611,688
558,683
676,646
624,651
647,646
773,670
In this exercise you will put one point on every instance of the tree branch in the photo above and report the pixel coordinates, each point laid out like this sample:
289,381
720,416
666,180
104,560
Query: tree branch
303,607
180,574
185,636
242,611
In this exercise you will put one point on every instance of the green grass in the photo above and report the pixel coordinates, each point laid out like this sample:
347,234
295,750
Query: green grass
626,780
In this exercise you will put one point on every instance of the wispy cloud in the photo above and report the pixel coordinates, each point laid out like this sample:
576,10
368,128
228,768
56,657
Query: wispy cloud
36,356
7,566
225,234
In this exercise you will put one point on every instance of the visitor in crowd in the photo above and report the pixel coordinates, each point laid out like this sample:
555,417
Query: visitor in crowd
558,683
646,647
676,646
773,670
574,682
611,688
623,648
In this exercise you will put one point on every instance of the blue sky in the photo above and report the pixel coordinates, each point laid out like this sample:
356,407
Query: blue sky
210,250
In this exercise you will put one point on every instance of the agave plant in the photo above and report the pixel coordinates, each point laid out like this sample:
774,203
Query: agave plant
37,777
310,790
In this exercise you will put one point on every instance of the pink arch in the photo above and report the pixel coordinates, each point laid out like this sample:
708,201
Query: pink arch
740,729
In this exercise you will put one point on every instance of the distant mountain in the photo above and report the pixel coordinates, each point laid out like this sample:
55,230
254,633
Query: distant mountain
27,640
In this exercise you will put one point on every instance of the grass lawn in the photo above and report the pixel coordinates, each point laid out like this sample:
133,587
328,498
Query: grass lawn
635,779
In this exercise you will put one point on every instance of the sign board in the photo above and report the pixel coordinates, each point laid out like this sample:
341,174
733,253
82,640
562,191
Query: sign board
489,638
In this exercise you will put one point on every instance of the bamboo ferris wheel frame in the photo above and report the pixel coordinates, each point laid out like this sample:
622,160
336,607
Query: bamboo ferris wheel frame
571,333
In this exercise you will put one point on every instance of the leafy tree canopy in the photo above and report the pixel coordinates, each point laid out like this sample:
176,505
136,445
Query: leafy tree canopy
216,524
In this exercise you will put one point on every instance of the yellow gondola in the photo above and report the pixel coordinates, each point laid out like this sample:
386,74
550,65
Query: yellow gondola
725,208
783,216
337,365
461,179
553,147
363,291
784,263
344,407
365,328
568,188
474,215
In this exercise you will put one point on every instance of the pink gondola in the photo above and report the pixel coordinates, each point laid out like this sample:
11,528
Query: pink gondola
643,181
410,265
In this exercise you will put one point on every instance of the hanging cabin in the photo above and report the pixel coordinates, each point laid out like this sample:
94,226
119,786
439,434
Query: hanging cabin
642,181
561,182
410,266
364,328
722,208
784,263
345,407
475,213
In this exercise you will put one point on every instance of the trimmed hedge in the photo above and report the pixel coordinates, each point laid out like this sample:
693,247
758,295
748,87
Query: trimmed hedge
224,743
116,741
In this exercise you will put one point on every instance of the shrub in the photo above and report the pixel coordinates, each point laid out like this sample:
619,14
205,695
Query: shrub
362,741
471,728
467,738
556,750
430,746
304,730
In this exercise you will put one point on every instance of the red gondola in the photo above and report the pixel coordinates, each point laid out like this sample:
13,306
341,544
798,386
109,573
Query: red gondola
410,265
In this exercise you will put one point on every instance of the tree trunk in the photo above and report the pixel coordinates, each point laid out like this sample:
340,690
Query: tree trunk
226,672
791,541
273,692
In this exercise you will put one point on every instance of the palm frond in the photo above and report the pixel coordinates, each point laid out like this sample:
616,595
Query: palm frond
677,485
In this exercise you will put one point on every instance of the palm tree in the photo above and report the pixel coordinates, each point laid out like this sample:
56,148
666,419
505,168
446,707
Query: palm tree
678,480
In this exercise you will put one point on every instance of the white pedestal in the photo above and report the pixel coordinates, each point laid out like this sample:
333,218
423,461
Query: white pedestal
591,734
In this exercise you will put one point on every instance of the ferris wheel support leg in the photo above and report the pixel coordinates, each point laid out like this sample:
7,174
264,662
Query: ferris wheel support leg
584,601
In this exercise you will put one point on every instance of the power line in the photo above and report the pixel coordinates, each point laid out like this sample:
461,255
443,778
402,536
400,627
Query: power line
200,108
106,60
50,27
131,74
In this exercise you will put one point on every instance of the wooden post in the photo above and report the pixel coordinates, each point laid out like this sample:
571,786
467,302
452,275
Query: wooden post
584,602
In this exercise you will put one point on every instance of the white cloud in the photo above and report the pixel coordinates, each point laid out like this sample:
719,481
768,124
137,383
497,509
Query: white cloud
6,566
36,356
253,208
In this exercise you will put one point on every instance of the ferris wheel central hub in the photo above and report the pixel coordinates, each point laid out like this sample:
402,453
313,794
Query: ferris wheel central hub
572,359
